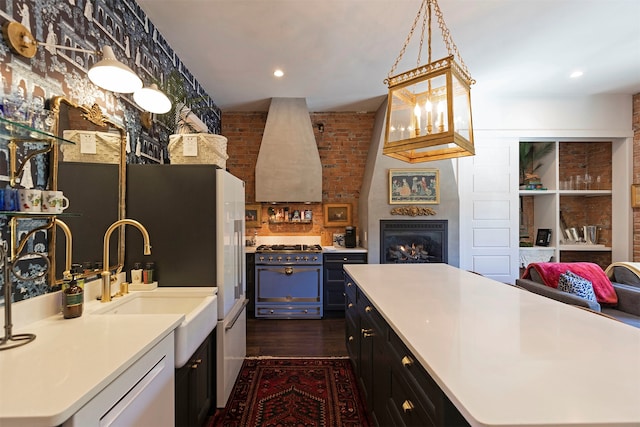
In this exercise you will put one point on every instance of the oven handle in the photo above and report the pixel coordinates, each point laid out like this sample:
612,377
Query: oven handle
237,316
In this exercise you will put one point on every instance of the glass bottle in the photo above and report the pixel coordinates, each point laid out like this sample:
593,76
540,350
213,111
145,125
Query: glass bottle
73,298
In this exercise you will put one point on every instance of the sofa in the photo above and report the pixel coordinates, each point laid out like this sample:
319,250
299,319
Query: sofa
623,277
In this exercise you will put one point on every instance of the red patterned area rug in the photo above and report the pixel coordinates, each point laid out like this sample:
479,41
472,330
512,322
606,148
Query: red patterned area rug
294,393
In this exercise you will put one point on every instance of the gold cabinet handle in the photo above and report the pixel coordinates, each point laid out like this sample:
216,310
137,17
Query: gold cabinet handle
407,361
349,284
367,332
351,338
407,406
368,309
350,305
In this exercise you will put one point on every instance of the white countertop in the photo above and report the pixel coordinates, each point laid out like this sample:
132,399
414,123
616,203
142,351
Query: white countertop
46,381
505,356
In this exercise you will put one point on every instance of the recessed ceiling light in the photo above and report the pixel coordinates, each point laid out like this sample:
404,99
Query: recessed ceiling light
576,74
278,73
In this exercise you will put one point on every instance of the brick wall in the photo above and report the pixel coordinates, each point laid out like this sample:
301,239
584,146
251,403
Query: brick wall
343,143
636,174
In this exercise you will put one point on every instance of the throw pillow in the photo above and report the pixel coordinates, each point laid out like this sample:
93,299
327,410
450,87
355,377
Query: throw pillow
550,273
574,284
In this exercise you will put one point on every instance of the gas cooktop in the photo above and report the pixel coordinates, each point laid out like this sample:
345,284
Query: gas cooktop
288,248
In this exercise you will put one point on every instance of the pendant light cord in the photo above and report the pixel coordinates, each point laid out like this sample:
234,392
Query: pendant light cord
452,49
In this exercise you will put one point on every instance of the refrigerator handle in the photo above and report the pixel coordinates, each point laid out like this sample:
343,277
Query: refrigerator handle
237,228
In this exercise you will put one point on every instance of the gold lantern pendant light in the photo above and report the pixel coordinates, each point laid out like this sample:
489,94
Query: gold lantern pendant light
429,107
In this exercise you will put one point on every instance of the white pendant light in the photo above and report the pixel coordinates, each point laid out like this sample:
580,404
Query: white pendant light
111,74
152,99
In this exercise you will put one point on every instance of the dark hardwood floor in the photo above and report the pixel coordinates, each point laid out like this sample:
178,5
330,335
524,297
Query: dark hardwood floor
296,337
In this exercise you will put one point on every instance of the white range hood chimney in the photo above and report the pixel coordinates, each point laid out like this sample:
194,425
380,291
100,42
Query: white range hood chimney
288,167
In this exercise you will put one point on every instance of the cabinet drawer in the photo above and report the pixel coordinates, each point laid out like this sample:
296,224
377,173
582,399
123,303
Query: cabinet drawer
403,406
350,288
358,258
333,274
352,336
370,315
350,309
405,365
286,312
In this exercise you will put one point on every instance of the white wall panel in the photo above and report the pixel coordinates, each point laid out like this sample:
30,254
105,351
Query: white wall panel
488,181
493,265
492,156
491,210
491,237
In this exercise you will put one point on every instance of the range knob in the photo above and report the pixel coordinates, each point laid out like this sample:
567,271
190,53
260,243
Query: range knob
270,258
306,258
279,258
315,258
288,258
261,258
298,258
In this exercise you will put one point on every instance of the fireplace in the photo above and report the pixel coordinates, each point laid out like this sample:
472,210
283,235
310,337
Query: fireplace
413,241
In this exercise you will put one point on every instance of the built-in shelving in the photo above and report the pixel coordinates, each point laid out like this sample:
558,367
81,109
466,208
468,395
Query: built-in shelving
561,207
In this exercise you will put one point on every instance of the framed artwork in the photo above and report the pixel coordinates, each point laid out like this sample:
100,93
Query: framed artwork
253,215
635,195
337,214
418,186
543,238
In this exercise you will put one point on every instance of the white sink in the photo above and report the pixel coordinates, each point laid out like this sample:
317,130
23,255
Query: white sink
198,305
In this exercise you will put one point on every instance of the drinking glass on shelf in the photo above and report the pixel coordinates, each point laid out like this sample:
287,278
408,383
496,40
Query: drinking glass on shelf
598,183
578,182
587,181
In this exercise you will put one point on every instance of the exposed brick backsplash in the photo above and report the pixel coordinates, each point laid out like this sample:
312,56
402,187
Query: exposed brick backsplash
343,148
343,145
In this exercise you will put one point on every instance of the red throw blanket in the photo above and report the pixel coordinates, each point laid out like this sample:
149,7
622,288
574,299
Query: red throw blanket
550,273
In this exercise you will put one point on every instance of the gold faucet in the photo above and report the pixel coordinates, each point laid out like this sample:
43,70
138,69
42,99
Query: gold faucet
106,274
68,251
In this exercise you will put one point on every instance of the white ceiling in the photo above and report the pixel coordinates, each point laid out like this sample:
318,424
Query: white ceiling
336,53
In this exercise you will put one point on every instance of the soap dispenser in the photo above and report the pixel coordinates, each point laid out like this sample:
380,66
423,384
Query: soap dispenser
72,296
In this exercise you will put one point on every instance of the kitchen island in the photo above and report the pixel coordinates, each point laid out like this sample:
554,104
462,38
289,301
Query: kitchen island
502,355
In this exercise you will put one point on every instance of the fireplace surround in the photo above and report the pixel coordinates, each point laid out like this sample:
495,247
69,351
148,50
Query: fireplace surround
413,241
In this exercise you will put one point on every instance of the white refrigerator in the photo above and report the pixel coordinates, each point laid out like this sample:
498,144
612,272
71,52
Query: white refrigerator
195,218
231,331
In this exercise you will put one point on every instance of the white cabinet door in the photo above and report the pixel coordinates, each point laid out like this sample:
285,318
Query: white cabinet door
141,396
489,208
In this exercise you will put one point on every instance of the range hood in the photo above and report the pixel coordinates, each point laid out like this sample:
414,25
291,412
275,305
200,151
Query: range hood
288,167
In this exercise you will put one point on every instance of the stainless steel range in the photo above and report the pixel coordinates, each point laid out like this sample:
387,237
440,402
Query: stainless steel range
289,281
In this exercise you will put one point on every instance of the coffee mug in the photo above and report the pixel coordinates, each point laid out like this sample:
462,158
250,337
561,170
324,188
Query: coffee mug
10,199
54,201
30,200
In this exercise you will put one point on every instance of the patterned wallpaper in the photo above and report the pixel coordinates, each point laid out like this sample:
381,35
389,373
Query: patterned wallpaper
90,24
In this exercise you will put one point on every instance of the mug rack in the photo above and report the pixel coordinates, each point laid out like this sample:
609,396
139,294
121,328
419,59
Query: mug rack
10,252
